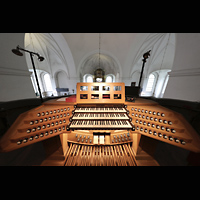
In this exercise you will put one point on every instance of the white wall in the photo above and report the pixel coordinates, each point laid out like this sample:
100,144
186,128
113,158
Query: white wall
61,77
13,70
162,74
184,79
58,58
62,81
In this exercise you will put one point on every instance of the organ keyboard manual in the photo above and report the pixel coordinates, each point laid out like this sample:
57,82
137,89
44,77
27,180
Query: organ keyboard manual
97,127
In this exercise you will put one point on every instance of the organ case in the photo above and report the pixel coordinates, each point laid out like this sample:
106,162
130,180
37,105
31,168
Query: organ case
99,127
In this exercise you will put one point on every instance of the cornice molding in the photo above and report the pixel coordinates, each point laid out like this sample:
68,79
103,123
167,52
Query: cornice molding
15,72
185,72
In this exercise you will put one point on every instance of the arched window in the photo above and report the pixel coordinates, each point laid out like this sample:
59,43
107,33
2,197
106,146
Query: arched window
47,82
109,79
150,83
34,83
89,79
165,85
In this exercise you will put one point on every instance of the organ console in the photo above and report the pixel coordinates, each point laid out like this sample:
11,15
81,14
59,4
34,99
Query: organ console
98,127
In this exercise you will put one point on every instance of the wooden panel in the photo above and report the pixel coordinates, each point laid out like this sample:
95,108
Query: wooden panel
118,147
111,136
158,122
99,93
38,124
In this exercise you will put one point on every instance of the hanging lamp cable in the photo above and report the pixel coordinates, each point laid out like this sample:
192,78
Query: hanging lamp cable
99,47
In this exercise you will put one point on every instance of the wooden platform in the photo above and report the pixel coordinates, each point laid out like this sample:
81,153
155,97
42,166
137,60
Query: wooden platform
144,159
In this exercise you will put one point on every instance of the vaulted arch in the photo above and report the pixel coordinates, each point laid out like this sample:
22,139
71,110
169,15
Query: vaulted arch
48,47
107,62
54,48
61,79
162,46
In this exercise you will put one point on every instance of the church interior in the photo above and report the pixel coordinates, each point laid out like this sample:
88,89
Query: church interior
150,80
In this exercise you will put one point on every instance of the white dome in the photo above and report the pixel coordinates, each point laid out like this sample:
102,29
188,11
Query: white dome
104,62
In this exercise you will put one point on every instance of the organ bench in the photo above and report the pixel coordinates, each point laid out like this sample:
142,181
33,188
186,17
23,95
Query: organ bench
98,127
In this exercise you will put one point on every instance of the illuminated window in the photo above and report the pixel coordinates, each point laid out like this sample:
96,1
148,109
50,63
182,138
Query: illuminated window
34,83
150,83
89,79
165,84
47,82
109,79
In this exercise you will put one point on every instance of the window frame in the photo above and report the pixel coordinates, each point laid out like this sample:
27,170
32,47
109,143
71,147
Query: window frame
153,84
45,84
112,77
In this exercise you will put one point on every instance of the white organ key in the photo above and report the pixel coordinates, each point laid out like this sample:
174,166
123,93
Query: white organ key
95,139
101,139
100,109
100,116
100,124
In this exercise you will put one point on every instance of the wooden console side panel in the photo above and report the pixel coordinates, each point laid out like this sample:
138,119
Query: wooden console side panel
51,121
173,128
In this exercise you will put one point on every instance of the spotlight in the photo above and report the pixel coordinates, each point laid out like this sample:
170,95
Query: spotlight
40,58
17,51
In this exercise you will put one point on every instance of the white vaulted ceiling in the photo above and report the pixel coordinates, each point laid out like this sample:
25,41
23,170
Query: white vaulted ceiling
54,48
121,52
114,47
78,53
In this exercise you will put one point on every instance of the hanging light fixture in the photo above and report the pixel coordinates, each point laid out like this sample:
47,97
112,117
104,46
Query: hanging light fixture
99,73
40,58
99,47
19,53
